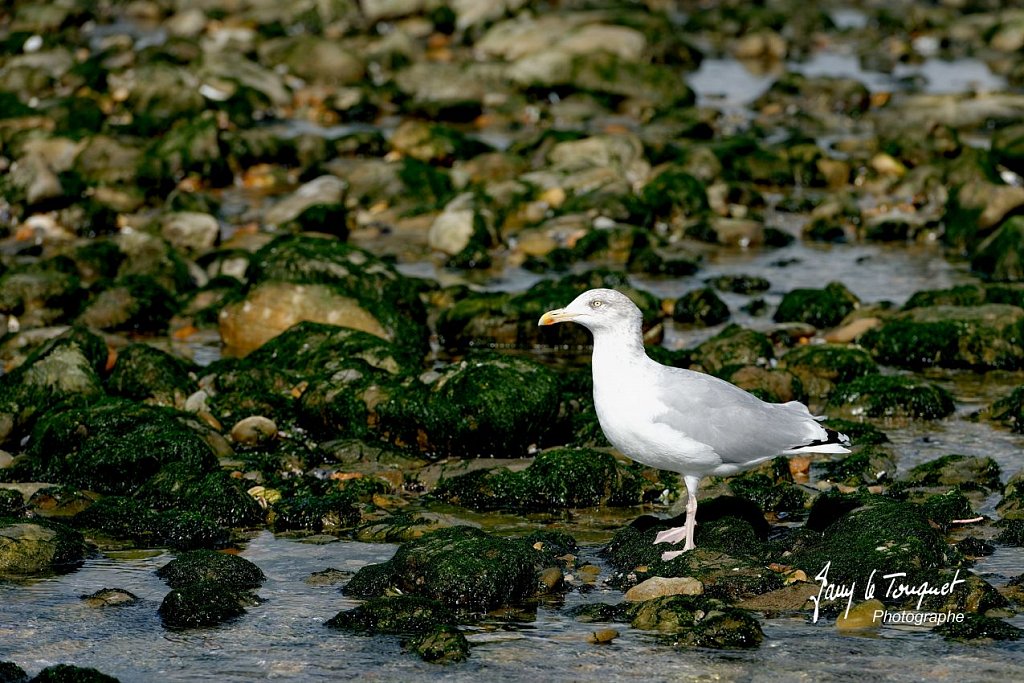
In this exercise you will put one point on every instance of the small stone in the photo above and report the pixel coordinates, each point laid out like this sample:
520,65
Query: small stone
550,579
6,459
659,586
253,430
190,231
110,597
861,616
603,636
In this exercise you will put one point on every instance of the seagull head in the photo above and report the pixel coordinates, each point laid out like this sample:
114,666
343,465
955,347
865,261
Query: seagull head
598,309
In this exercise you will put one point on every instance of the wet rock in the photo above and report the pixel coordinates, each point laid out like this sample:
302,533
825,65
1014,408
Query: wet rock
41,293
183,530
658,587
192,147
315,59
12,673
821,367
64,369
891,396
1009,410
503,320
114,446
487,405
768,493
190,231
316,206
63,673
774,386
253,430
701,307
1000,256
977,337
968,472
200,566
465,569
317,513
739,284
216,495
135,303
795,597
871,465
732,347
819,307
698,621
972,547
110,597
861,616
403,526
603,636
203,604
444,644
147,374
558,478
977,627
12,504
121,518
884,535
945,508
308,278
37,547
1012,504
398,615
147,257
818,96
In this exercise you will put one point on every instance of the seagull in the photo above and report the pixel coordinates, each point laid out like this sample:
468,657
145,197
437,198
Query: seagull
680,420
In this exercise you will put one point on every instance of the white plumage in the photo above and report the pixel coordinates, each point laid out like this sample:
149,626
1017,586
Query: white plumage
679,420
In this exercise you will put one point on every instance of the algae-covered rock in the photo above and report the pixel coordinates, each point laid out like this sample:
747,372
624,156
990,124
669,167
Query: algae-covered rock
316,206
990,336
318,513
488,405
202,604
1012,504
217,495
41,293
733,346
12,504
968,472
122,518
500,319
891,396
443,644
819,307
296,278
64,369
976,627
701,307
29,547
558,478
1001,255
198,566
147,374
463,568
12,673
114,446
397,615
882,534
821,367
184,530
870,465
69,673
134,303
1009,410
944,508
698,621
768,494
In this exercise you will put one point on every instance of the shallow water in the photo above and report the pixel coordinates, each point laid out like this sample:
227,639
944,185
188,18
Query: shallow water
284,638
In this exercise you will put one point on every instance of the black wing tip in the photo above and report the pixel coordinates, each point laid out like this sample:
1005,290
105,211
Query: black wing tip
831,437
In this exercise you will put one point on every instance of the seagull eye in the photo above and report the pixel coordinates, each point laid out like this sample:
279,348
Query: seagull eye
596,303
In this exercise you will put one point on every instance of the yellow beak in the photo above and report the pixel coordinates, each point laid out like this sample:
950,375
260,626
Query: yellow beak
559,315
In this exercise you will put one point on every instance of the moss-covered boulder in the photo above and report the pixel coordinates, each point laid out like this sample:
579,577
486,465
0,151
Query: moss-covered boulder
198,566
1008,410
487,405
1001,255
134,303
734,346
65,369
870,465
891,396
122,518
69,673
990,336
147,374
700,307
115,446
821,367
297,278
698,621
465,569
31,547
12,673
41,293
770,494
203,604
184,530
881,534
968,472
217,495
1012,504
510,320
557,478
396,615
318,513
443,644
975,627
819,307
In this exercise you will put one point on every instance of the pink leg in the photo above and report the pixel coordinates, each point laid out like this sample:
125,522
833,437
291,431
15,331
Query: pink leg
687,531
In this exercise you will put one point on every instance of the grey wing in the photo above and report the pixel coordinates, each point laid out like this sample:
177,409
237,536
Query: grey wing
740,427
